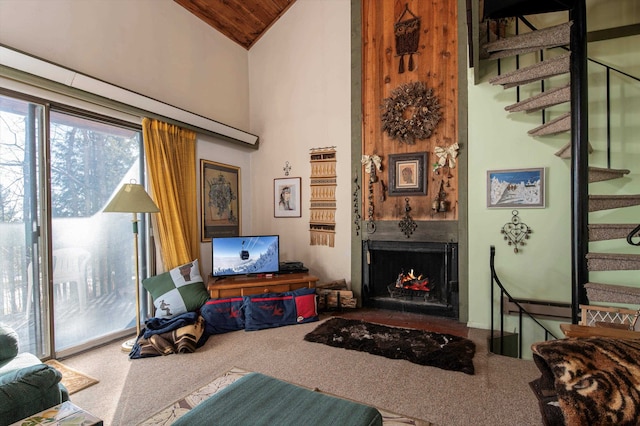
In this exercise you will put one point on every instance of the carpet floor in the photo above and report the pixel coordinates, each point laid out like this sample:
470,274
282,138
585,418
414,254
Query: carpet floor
132,391
168,415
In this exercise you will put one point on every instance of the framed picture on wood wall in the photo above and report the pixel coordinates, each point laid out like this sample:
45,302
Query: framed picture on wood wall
286,197
219,200
407,174
522,188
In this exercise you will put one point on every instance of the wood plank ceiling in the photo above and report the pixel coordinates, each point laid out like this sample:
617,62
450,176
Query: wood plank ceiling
243,21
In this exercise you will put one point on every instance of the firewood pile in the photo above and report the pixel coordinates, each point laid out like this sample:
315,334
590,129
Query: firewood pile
335,295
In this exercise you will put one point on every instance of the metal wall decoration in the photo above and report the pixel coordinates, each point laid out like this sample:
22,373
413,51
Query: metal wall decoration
440,203
286,168
407,35
322,216
372,163
356,204
407,224
516,232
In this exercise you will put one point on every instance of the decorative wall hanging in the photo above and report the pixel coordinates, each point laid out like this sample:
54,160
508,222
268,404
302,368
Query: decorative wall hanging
522,188
411,112
440,204
287,197
322,223
220,200
407,174
515,232
356,204
407,224
446,157
407,34
372,163
286,168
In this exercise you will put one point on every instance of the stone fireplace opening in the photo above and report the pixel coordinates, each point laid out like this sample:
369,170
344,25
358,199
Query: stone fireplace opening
411,276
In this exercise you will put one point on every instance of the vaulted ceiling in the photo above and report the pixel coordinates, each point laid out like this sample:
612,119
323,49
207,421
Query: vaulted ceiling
243,21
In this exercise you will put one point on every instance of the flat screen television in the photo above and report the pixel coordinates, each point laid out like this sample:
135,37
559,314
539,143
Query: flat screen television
259,254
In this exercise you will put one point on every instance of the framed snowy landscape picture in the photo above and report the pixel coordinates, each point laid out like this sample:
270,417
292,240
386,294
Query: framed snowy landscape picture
522,188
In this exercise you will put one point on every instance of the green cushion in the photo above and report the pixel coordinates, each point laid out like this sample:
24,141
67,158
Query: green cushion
8,343
256,399
29,390
178,291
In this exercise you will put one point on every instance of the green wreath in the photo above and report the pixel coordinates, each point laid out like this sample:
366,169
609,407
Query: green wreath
412,112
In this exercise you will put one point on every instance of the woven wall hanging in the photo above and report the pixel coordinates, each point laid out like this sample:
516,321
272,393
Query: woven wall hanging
407,34
322,222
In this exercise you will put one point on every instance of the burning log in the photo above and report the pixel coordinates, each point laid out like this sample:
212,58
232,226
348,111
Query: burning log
411,282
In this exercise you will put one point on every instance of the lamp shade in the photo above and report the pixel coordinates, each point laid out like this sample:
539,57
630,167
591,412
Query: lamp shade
132,198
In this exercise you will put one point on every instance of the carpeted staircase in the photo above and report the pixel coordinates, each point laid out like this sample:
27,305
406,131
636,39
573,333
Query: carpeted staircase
558,65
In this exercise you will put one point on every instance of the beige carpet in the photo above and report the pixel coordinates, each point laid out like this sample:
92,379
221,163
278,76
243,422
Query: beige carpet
132,391
168,415
72,379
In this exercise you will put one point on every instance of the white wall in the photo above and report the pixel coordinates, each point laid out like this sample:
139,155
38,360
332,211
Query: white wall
209,149
299,76
153,47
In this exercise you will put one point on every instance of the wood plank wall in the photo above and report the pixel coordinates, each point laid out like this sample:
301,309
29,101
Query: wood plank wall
436,64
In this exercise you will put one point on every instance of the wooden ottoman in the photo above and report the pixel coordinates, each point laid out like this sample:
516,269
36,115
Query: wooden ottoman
256,399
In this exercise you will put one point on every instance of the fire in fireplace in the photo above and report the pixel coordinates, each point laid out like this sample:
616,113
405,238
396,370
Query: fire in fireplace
410,285
430,286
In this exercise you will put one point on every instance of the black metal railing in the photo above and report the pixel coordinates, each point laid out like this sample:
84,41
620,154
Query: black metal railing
607,69
633,234
522,312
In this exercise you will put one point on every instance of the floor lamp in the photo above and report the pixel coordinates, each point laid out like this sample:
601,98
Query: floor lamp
132,198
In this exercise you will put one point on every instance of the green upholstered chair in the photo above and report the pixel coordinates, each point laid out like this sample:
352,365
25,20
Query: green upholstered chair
27,386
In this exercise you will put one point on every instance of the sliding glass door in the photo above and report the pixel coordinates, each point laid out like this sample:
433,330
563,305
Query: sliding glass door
21,148
67,267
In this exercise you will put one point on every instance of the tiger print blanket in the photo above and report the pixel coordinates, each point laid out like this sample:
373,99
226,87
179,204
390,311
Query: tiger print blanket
596,380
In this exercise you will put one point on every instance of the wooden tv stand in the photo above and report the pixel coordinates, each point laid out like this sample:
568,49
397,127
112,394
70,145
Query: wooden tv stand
244,286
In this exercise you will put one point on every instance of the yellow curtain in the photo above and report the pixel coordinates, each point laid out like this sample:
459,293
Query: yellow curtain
171,162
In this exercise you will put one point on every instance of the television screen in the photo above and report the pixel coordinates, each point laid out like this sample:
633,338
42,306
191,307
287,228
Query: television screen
245,255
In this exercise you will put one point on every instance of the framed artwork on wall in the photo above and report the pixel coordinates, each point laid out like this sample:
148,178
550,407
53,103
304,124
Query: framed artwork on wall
407,174
286,197
219,200
522,188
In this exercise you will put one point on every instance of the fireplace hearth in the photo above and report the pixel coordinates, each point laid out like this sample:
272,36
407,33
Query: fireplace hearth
411,276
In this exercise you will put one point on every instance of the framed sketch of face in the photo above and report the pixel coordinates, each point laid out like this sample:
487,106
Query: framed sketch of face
286,197
407,174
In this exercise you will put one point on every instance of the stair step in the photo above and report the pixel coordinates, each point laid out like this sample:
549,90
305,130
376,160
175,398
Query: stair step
558,35
609,231
612,262
565,151
612,293
553,127
543,100
598,174
536,72
606,202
